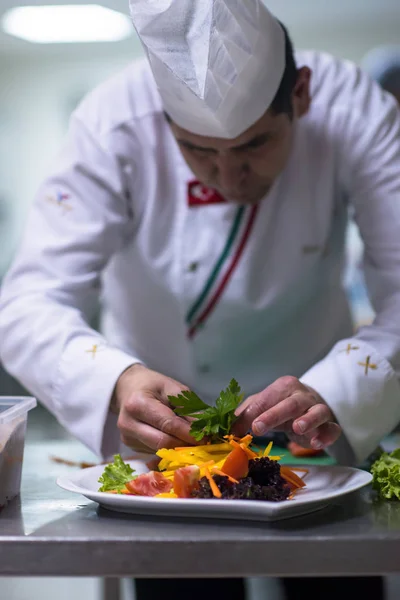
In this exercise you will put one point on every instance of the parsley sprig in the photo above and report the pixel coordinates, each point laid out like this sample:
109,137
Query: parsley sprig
210,421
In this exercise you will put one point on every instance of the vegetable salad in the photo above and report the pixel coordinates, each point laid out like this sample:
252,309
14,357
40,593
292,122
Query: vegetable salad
233,469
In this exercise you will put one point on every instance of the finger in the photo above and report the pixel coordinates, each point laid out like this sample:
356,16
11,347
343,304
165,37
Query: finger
316,416
148,436
252,408
137,446
277,391
326,435
171,388
164,419
257,404
286,427
242,407
289,409
245,415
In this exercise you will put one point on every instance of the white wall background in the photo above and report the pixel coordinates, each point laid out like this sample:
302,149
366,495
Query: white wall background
36,98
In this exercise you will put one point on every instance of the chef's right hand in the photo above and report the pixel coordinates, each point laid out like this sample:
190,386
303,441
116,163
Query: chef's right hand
145,419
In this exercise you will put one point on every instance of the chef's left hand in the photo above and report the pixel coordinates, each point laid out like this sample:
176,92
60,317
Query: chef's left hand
288,405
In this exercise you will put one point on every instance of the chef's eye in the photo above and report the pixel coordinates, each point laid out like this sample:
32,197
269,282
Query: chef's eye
205,151
198,150
256,144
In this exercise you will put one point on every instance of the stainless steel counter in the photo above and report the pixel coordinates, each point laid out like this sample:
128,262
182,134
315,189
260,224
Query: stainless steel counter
48,531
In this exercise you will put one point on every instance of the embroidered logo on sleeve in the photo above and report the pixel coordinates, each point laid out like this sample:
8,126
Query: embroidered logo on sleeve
368,365
94,350
61,200
350,348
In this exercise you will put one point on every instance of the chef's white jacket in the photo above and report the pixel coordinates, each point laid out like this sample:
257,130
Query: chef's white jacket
211,292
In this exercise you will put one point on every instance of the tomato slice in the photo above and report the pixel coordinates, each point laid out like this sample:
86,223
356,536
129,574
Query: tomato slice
186,480
236,464
150,484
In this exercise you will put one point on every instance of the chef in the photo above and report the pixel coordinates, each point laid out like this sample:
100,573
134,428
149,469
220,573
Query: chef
203,194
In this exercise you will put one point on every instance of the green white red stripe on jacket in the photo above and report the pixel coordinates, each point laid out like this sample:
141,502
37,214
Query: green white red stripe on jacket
223,270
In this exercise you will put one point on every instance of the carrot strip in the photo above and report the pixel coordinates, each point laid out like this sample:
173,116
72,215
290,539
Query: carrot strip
245,449
249,452
214,488
219,472
292,477
246,439
234,444
302,470
292,483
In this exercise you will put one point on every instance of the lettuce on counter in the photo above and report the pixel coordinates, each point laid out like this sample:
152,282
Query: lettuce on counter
386,475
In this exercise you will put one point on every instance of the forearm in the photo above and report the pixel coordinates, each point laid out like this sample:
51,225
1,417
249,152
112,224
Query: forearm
361,388
52,351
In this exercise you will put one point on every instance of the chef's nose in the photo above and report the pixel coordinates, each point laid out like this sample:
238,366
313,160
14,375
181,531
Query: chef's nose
232,170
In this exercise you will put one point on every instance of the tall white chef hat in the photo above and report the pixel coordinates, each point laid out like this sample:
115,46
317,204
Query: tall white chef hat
217,63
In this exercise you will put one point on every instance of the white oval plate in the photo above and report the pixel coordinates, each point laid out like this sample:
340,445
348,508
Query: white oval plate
324,484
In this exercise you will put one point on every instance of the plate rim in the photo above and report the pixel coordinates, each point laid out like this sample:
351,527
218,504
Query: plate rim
104,499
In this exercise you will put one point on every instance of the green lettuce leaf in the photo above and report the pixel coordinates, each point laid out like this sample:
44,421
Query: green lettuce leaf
386,475
116,475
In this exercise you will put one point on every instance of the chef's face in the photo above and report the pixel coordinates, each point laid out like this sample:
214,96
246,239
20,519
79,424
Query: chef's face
244,169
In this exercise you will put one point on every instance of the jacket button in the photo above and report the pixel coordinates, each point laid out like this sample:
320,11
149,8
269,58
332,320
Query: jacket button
192,268
204,369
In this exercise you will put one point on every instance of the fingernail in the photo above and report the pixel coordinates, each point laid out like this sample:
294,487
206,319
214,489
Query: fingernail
317,444
259,428
301,426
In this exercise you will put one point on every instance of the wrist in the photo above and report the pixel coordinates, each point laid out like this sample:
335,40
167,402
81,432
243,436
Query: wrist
320,400
119,388
314,393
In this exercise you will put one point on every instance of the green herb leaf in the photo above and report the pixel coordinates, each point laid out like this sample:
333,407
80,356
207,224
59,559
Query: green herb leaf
386,475
116,475
199,429
210,421
229,399
187,403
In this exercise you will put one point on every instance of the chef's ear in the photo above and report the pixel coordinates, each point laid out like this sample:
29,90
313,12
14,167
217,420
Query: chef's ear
301,96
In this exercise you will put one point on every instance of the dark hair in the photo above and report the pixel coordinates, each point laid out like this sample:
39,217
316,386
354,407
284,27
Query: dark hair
282,103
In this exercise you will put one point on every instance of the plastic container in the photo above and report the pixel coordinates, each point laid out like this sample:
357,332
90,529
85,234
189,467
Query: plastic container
13,421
